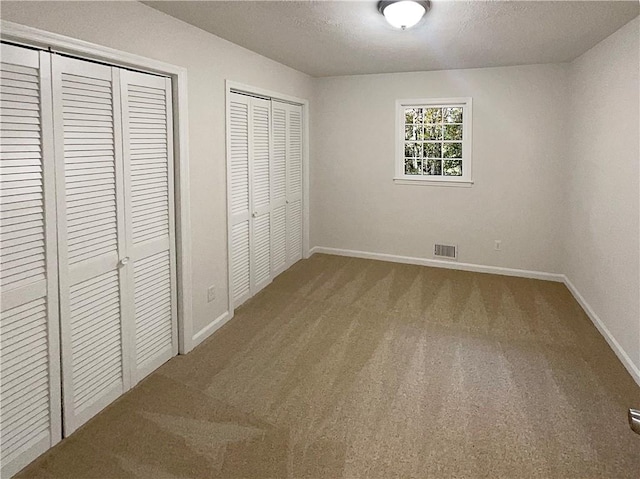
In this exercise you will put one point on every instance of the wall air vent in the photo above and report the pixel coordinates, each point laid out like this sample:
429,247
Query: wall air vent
445,251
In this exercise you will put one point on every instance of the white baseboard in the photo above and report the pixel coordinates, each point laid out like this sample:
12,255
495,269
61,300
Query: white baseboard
435,263
599,324
210,328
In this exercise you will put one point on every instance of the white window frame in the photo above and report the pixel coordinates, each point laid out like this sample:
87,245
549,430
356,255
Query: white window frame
466,179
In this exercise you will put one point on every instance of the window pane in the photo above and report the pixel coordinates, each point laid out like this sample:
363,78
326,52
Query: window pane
453,132
413,132
413,115
409,115
433,150
453,167
411,166
452,115
452,150
432,167
413,150
409,150
433,115
433,132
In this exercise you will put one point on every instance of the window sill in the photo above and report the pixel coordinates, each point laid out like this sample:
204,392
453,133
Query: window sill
421,182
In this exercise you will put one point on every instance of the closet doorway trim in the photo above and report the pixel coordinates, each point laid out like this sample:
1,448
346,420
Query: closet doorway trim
235,87
33,37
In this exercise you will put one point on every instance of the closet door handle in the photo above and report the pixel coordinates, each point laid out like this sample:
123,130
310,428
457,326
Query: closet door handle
254,214
634,420
123,262
286,202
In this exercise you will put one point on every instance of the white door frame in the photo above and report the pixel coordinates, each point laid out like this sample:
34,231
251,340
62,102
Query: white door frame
56,43
261,92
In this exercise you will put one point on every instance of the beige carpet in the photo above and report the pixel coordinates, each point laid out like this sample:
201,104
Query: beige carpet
349,368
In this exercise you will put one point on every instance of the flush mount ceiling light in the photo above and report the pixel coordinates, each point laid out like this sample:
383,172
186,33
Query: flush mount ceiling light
404,13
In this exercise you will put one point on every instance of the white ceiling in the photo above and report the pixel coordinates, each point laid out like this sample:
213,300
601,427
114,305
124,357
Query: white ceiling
329,38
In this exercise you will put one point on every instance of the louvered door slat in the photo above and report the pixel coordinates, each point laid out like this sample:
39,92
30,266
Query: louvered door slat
91,235
260,132
260,192
294,230
262,249
148,159
279,113
239,156
14,256
30,370
279,239
14,183
86,175
240,260
29,227
238,196
294,185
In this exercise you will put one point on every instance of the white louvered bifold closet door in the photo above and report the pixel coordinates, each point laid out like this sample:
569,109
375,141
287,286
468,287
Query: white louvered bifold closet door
279,118
249,182
86,100
294,184
148,159
260,192
30,414
238,197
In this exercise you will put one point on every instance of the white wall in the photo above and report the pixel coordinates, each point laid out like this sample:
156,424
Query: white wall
136,28
519,143
602,234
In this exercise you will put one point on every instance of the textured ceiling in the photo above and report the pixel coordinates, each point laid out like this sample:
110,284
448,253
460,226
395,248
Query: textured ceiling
328,38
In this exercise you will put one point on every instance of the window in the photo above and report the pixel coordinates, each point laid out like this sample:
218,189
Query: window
433,141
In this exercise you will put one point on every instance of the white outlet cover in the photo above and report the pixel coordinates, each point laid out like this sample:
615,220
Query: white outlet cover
211,293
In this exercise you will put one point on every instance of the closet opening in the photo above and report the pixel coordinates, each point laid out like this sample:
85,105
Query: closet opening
96,274
35,39
267,187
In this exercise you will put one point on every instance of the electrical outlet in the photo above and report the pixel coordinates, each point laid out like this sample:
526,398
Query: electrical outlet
211,293
497,245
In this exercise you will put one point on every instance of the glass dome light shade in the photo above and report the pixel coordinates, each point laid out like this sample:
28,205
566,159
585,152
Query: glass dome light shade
403,14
